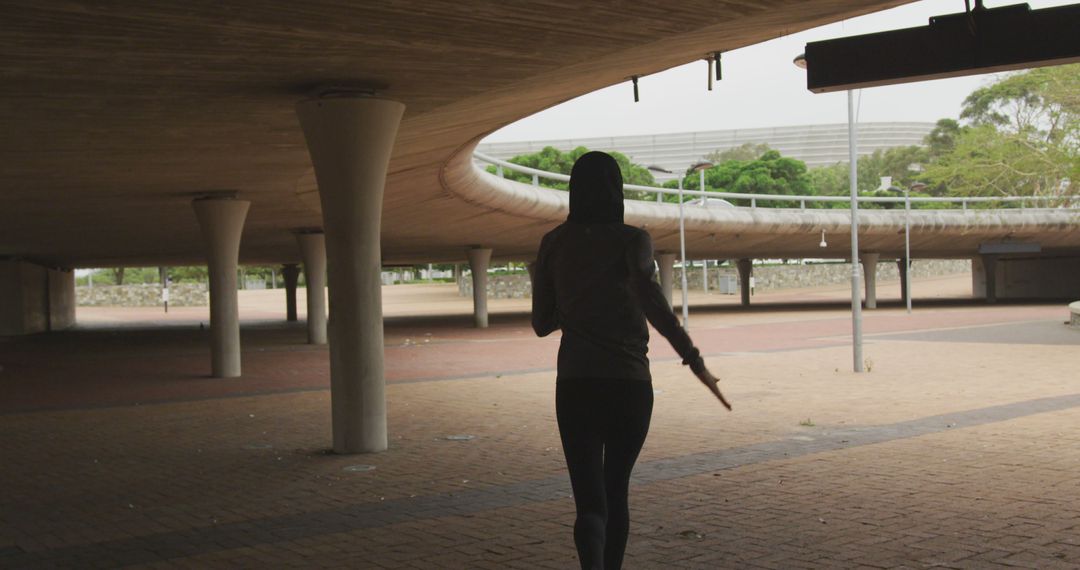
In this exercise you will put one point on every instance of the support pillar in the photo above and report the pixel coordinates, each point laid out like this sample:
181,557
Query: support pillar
479,258
290,272
313,251
746,271
989,263
34,298
667,273
869,263
705,275
902,268
350,138
221,221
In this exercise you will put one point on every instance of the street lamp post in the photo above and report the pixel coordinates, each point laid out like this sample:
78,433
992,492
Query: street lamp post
853,172
682,250
701,167
856,302
907,238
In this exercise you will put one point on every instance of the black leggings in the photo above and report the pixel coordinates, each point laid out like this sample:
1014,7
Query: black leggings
603,424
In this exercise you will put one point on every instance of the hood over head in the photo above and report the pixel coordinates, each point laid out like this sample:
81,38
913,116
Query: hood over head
596,190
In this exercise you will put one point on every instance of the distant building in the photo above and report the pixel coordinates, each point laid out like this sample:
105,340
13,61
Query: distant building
816,145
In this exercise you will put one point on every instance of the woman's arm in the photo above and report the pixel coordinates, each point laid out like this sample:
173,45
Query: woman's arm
653,302
545,317
658,311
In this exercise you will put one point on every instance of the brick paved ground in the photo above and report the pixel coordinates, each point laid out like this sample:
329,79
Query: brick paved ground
959,449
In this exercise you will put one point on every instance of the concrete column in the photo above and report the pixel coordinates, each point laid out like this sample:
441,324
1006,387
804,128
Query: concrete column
667,273
350,138
989,263
705,275
289,273
61,299
479,258
222,221
869,262
746,270
34,298
901,266
313,252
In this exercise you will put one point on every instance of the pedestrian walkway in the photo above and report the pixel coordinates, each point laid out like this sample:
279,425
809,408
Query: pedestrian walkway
957,449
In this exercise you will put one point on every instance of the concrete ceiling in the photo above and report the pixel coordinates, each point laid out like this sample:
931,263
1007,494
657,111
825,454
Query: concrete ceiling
116,114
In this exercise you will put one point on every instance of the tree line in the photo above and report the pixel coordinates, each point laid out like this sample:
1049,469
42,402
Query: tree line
1015,137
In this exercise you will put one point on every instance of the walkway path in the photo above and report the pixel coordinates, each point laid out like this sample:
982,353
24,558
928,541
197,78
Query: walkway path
957,449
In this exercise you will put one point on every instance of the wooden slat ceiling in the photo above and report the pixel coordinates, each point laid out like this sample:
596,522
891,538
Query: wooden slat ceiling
114,114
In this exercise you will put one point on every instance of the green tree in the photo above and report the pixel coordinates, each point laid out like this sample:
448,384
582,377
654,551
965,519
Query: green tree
1022,137
942,140
551,159
771,173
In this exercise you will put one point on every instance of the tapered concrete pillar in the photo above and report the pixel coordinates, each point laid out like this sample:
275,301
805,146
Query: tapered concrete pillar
667,273
289,273
901,267
479,258
746,271
222,221
313,252
869,262
350,138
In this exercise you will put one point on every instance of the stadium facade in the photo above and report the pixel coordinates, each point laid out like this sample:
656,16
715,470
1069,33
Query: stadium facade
816,145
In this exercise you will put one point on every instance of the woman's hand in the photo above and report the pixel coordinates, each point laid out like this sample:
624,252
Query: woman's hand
709,381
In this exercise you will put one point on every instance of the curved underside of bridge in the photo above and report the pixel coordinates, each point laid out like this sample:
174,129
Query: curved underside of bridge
727,232
116,115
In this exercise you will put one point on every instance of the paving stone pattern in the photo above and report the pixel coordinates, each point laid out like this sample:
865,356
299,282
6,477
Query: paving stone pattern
956,451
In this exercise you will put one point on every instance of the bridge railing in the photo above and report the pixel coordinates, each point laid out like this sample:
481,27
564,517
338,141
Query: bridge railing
1023,202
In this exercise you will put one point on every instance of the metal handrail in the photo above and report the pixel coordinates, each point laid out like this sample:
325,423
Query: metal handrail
536,174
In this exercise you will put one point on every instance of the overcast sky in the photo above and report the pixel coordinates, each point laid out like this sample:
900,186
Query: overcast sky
761,88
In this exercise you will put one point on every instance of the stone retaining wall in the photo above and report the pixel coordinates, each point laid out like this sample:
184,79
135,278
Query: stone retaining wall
766,277
771,277
141,295
515,286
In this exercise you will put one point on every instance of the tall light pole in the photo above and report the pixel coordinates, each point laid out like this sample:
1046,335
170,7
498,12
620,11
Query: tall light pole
700,168
853,178
907,238
682,250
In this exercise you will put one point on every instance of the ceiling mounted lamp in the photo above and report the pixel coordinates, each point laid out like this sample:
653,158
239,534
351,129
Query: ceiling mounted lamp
979,40
712,60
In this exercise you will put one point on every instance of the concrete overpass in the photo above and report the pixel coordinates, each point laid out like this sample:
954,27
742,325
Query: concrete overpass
119,118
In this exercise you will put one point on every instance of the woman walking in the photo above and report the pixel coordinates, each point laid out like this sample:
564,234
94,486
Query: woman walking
593,279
